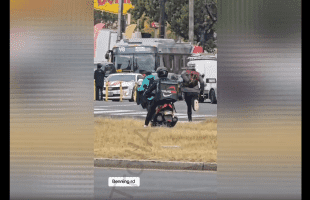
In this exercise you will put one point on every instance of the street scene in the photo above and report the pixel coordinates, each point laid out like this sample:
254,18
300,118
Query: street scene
132,110
155,99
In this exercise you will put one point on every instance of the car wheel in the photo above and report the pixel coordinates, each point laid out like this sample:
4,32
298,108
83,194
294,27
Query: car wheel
201,99
133,95
213,97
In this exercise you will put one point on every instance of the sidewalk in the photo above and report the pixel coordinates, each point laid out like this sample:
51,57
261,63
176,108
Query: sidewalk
152,164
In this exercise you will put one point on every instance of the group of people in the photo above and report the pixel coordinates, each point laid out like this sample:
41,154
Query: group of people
190,88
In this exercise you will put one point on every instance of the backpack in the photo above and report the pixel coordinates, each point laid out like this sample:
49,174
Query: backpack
167,91
193,79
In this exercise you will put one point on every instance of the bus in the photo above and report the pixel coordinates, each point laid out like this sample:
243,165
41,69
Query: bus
140,55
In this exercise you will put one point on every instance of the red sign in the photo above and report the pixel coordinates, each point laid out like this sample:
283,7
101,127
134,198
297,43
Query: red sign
198,49
154,24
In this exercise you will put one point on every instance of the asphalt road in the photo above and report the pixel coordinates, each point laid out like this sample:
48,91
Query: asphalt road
156,184
131,109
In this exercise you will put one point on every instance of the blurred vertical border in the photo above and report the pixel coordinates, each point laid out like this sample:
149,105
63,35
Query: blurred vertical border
51,99
259,99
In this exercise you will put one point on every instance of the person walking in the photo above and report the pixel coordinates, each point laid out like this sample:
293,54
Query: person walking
99,81
191,89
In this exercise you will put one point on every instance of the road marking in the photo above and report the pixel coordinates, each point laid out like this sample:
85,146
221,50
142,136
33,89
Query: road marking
99,109
132,113
198,116
115,105
112,111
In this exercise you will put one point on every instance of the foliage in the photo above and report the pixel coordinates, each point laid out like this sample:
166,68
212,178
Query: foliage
105,17
177,15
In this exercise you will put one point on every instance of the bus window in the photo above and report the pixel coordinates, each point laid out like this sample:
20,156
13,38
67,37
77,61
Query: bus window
145,61
123,61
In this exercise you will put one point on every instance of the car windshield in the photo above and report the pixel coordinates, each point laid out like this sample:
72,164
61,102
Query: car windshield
155,74
105,67
121,78
171,76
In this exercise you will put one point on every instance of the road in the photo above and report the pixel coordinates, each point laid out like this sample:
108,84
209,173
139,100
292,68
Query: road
156,184
131,109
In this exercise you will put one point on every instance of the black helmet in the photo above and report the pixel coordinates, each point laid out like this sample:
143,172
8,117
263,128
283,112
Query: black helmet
162,72
99,65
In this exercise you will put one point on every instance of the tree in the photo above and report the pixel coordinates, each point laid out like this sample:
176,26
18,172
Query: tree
105,17
177,15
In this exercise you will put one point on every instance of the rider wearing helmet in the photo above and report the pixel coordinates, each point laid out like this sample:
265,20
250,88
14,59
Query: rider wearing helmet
162,73
148,80
191,88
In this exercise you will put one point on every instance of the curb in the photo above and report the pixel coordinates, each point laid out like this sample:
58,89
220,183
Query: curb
152,164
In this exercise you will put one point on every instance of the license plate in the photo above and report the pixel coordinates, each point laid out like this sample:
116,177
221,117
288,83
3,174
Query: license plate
110,94
168,112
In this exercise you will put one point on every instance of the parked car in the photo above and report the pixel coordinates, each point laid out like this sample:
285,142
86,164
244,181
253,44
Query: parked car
129,83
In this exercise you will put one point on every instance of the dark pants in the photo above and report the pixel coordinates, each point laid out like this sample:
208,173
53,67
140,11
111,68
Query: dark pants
99,93
151,108
189,99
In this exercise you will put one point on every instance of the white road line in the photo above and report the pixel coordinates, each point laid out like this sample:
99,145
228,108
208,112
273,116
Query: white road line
112,111
198,116
115,105
133,113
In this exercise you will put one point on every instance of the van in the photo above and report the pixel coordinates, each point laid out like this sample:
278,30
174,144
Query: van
207,67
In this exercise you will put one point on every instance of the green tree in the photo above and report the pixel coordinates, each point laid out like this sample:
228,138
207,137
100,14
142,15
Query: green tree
177,15
105,17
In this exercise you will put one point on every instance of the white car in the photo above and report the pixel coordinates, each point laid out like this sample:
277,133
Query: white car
129,82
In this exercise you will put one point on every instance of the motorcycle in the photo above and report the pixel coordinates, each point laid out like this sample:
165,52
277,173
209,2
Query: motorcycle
165,110
164,115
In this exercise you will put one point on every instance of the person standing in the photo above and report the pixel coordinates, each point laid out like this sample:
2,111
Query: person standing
191,89
99,81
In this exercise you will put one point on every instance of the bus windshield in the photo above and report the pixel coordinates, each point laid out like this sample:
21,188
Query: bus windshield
135,62
145,61
123,62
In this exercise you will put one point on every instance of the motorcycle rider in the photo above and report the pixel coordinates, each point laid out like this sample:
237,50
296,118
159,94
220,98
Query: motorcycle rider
162,73
148,80
191,88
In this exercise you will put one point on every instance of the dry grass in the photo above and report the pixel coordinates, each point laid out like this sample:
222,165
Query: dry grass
127,139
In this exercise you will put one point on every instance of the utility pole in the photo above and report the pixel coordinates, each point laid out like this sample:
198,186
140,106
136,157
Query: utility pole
162,19
120,20
191,21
